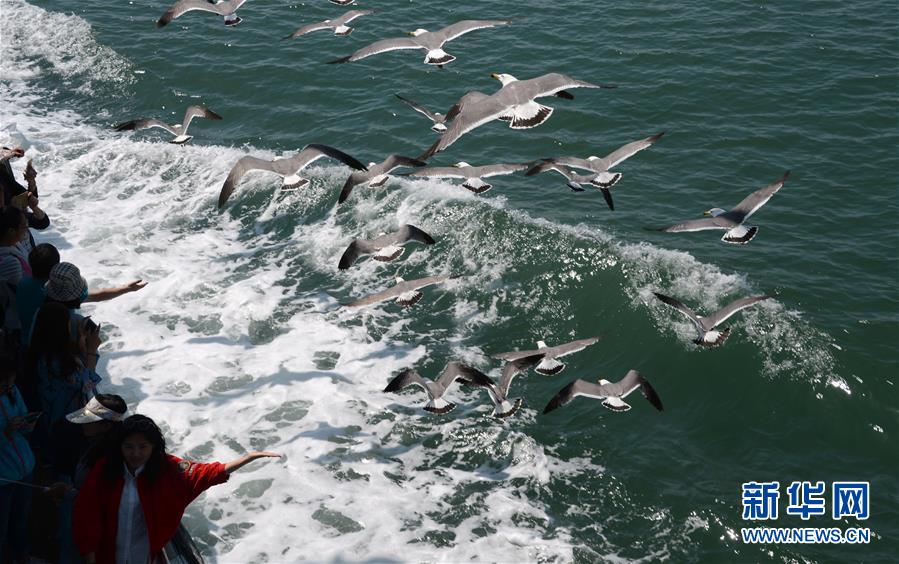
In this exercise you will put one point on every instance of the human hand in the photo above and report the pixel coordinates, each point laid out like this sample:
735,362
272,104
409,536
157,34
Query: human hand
58,491
263,454
6,153
134,285
90,335
32,201
30,173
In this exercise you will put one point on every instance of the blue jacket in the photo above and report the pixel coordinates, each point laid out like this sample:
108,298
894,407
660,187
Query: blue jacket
16,458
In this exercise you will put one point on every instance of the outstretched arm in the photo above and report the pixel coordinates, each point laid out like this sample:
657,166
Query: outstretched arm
246,459
104,294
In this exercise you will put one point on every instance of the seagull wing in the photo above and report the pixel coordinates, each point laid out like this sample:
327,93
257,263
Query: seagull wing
184,6
623,153
469,116
315,151
136,124
355,250
309,28
547,85
487,171
457,29
398,289
573,390
722,314
631,381
352,15
757,199
240,168
455,370
702,224
681,307
575,162
570,348
419,108
397,161
517,355
408,378
197,111
412,233
553,164
514,368
468,98
439,172
381,46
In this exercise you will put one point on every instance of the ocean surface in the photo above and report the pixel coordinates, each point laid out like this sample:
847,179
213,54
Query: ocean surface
239,341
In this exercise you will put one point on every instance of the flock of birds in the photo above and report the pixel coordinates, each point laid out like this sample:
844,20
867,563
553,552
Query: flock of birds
514,102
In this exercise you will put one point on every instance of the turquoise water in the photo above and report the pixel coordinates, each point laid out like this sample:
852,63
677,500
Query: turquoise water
238,342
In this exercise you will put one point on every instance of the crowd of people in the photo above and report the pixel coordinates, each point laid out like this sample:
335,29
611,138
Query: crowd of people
117,495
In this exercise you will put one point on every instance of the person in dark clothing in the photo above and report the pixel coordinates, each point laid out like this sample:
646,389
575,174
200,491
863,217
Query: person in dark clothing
10,189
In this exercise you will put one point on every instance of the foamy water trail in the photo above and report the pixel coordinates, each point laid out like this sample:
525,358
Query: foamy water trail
238,343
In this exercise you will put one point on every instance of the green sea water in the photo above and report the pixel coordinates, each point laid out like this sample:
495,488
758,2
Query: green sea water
804,389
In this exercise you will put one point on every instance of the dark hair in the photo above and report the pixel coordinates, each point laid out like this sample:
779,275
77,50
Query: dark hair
8,183
10,219
111,438
136,425
50,340
42,258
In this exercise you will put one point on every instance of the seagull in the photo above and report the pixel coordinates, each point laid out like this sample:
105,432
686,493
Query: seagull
514,102
599,167
732,221
471,174
453,371
405,292
376,175
288,168
612,394
705,325
548,365
224,8
430,41
499,393
179,130
385,248
339,25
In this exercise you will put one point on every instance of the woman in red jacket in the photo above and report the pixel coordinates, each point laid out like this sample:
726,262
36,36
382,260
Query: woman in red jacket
133,499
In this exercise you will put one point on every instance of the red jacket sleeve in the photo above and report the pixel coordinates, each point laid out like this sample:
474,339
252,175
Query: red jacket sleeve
87,520
199,477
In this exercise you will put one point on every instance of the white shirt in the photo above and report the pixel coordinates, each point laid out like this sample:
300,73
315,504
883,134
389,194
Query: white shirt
132,545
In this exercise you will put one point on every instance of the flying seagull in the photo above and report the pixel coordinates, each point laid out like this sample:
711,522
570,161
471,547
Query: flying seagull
384,248
435,389
287,168
179,130
471,174
732,221
548,365
499,393
514,102
599,174
224,8
612,394
405,292
339,25
376,175
705,325
439,120
430,41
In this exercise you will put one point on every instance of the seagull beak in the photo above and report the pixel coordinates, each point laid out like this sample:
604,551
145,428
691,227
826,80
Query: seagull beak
707,213
494,75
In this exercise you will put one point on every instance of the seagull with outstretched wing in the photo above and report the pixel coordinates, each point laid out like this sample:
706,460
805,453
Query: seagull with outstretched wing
405,292
287,168
384,248
548,365
436,388
599,175
225,8
612,394
179,130
732,221
705,326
